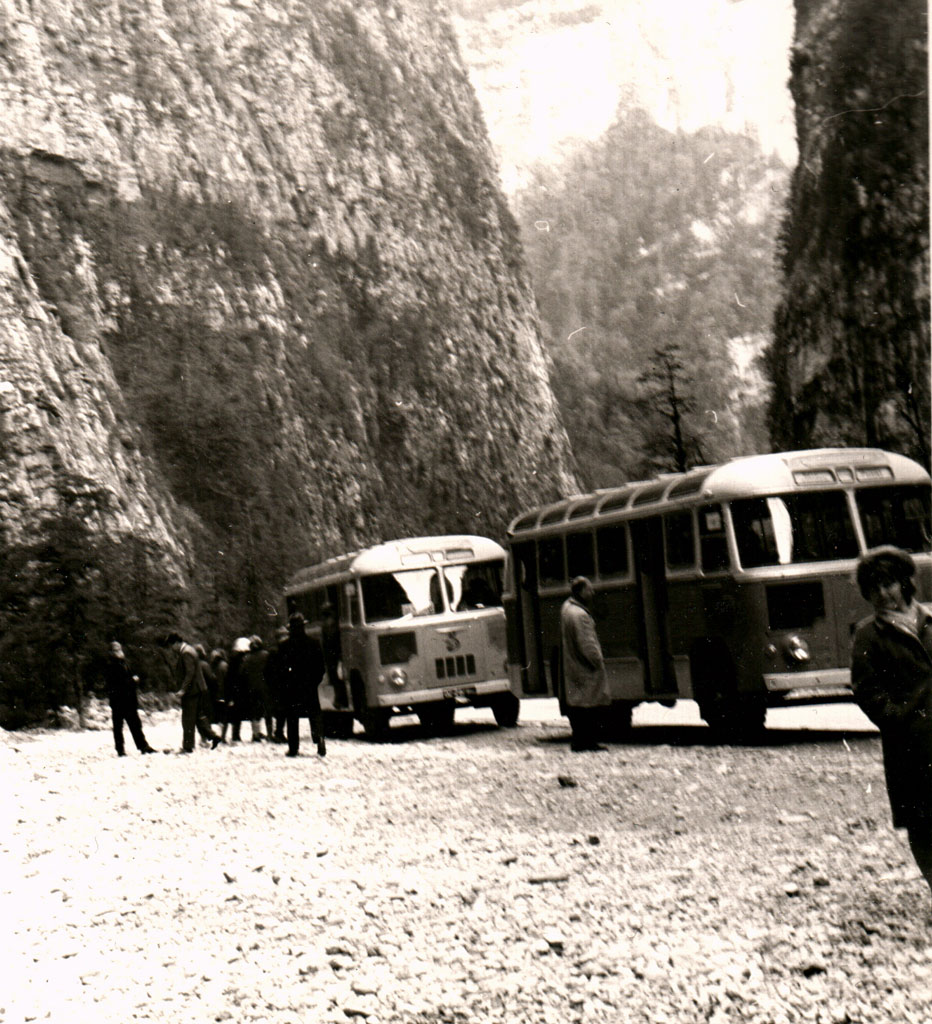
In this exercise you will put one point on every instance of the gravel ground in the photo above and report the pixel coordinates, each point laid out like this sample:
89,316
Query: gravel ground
487,876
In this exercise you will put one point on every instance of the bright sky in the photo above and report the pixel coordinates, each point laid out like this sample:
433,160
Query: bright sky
690,63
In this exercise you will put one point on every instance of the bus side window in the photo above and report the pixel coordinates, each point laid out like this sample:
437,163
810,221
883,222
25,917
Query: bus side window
550,555
713,544
580,555
679,542
612,545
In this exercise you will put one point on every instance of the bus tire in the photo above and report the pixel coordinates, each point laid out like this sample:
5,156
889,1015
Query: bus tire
375,723
731,716
374,720
437,717
338,725
506,707
618,720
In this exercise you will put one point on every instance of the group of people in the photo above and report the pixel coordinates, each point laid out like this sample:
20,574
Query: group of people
271,689
891,676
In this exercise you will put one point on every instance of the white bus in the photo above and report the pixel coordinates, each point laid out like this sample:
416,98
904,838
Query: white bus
421,629
732,584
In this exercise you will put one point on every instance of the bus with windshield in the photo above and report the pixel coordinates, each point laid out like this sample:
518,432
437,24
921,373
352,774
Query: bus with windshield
732,585
421,630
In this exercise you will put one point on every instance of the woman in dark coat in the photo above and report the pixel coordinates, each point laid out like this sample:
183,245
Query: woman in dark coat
891,674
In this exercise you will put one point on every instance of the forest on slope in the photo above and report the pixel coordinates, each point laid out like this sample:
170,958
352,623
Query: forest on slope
262,303
652,255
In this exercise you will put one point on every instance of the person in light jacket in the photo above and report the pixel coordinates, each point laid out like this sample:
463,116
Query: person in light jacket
585,686
891,675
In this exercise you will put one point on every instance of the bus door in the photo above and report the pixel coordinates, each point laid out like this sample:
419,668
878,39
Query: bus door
528,641
651,582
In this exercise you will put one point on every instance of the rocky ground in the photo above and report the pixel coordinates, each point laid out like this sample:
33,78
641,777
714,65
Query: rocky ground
487,876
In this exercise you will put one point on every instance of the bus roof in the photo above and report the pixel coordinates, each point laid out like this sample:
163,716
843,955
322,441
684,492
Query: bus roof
393,555
745,476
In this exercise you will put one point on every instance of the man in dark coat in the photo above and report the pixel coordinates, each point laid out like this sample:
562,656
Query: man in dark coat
124,702
891,674
191,688
273,684
237,697
253,672
586,689
301,668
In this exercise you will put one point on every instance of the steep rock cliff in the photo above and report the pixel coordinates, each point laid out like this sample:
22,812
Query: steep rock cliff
260,286
850,359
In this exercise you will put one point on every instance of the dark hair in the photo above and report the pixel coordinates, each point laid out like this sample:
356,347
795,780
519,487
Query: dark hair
577,585
885,564
169,639
296,623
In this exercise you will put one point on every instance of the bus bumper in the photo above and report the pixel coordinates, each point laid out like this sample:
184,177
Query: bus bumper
463,693
814,685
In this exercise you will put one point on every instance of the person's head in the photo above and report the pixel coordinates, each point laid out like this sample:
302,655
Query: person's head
217,654
296,624
116,649
171,640
581,590
201,651
241,645
885,578
255,642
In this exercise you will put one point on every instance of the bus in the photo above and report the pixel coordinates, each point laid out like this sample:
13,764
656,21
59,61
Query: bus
732,585
421,630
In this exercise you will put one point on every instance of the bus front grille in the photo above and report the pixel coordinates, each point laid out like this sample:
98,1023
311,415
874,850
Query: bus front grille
451,668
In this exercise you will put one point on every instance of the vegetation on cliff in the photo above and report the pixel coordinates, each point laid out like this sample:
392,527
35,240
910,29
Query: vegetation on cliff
651,254
850,358
261,291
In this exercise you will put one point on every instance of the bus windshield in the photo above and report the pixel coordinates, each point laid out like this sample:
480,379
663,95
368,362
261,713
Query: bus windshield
477,585
896,515
792,528
394,595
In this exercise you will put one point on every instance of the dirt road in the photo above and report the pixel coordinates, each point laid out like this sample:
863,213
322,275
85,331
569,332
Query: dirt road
487,876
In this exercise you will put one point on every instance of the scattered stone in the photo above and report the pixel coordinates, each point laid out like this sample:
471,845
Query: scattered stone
567,781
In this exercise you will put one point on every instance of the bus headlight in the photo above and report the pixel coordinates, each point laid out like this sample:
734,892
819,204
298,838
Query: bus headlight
796,650
397,677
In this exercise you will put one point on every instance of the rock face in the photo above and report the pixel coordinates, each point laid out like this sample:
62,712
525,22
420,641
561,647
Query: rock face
259,284
850,359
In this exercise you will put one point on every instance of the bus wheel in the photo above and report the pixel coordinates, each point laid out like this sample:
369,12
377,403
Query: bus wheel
338,724
374,720
437,718
618,720
506,708
735,718
375,723
732,716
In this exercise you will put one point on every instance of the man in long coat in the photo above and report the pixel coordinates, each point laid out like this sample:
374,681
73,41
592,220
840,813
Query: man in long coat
191,687
585,686
891,675
301,668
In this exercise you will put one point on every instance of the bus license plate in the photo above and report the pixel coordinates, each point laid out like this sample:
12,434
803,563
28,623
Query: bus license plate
459,691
